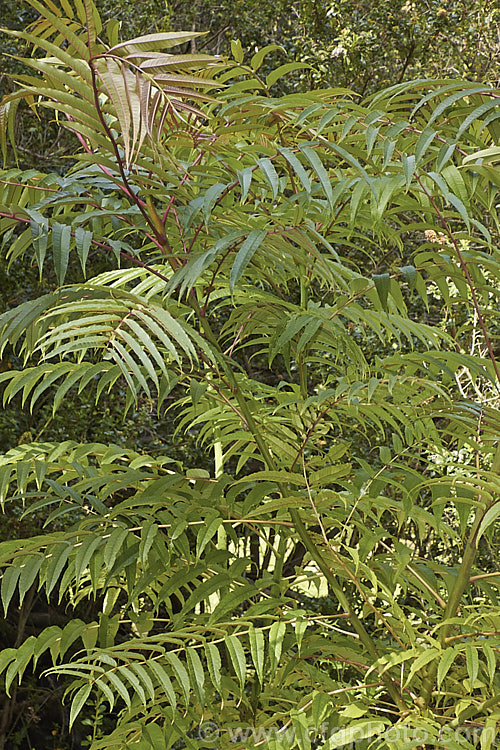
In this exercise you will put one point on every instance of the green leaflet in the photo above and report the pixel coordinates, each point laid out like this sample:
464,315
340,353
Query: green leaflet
155,736
300,627
257,650
488,520
445,663
205,534
237,656
148,535
297,168
422,660
245,180
382,285
59,555
245,255
409,275
40,233
108,693
472,661
83,241
211,198
119,687
9,584
61,239
276,636
359,730
127,675
69,635
321,172
456,183
22,658
424,141
353,161
84,554
197,673
164,680
275,75
180,673
409,165
78,701
270,174
451,198
29,572
213,658
231,601
490,661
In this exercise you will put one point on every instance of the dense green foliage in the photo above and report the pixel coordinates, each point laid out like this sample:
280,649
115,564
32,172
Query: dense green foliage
360,44
357,43
306,284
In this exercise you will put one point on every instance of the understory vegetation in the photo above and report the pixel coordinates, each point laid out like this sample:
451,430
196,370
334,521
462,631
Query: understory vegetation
290,299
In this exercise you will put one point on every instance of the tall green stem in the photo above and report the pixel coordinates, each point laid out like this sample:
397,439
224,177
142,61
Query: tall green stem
279,559
462,581
300,528
335,587
302,365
